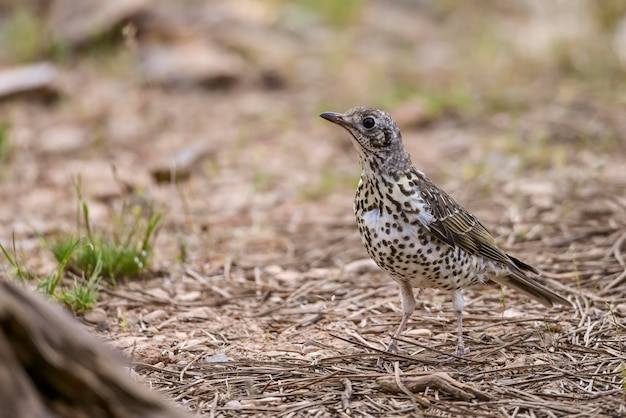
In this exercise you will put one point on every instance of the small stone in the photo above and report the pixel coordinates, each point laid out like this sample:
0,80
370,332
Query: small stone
75,23
288,276
512,313
189,296
63,139
154,316
232,405
180,166
95,316
218,358
361,266
180,336
34,80
190,63
102,326
273,270
318,273
201,312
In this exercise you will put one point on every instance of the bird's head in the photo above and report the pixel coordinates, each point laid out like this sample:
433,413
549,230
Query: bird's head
375,135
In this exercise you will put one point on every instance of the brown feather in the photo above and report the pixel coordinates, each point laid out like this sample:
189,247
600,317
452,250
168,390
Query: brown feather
532,288
457,227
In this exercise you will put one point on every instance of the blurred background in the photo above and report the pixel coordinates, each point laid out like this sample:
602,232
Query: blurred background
179,142
209,109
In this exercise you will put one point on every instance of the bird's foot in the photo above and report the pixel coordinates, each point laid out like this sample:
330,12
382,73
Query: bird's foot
461,351
458,354
391,349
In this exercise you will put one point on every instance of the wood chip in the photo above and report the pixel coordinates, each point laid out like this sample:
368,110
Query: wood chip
439,380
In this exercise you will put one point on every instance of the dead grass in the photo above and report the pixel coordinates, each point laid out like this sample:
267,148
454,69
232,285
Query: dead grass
303,341
262,301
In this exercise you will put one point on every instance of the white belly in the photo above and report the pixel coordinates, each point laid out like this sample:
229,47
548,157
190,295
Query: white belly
410,253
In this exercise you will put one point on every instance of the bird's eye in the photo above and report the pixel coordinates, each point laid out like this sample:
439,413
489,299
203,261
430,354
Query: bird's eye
369,122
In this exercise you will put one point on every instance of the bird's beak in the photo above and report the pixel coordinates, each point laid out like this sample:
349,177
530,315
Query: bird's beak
334,118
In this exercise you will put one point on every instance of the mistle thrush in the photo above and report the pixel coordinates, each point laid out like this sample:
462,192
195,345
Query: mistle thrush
417,233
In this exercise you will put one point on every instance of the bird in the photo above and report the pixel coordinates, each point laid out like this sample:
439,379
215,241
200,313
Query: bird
417,233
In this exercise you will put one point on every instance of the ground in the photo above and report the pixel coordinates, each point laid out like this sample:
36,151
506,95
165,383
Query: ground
260,299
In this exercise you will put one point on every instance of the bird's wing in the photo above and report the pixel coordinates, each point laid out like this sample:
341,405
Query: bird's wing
455,226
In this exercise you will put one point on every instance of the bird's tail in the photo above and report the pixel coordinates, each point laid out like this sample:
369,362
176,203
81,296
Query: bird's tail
521,265
532,288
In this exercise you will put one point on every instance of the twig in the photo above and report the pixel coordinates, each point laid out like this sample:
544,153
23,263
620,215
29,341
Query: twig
346,395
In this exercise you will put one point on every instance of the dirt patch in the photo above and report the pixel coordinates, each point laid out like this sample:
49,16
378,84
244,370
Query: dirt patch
261,301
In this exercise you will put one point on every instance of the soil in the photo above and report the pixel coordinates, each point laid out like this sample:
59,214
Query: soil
260,299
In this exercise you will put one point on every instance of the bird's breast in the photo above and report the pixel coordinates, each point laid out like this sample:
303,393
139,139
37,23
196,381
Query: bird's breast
393,220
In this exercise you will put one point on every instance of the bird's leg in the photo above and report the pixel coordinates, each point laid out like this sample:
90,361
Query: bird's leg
408,306
458,303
